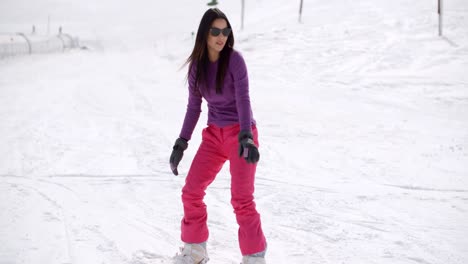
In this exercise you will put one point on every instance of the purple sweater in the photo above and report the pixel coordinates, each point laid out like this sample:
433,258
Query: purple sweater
230,107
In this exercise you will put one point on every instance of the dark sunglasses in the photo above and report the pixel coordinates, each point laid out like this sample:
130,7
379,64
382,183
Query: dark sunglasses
216,31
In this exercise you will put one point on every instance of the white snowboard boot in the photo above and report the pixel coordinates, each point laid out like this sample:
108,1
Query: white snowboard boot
192,254
252,260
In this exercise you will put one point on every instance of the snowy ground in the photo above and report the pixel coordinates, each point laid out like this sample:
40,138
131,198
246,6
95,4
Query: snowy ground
362,112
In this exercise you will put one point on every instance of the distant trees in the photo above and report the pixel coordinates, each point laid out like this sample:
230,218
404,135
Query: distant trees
213,3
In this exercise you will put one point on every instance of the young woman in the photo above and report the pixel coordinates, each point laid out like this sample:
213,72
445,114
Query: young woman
218,74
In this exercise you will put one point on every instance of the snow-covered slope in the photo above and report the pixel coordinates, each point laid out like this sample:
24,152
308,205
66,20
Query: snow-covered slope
361,108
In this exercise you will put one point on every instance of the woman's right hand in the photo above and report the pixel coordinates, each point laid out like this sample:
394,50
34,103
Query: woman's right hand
177,153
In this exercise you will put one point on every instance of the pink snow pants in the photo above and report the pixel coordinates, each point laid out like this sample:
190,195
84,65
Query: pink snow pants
219,145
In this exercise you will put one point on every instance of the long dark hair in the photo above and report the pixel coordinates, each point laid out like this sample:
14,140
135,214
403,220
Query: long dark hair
199,56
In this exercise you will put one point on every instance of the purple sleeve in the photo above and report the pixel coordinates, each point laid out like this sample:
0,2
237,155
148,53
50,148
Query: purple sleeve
193,108
241,85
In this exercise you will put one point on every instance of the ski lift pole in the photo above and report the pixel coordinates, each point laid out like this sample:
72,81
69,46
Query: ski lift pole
242,13
300,12
48,25
439,11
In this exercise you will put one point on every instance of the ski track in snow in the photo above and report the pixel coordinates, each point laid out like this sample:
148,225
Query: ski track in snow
361,111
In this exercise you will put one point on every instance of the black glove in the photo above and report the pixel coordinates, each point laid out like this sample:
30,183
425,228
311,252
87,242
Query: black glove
247,148
177,153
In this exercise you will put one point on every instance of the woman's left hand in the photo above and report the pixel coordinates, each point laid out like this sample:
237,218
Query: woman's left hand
247,148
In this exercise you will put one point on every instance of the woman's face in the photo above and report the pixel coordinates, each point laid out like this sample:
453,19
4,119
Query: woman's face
216,43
